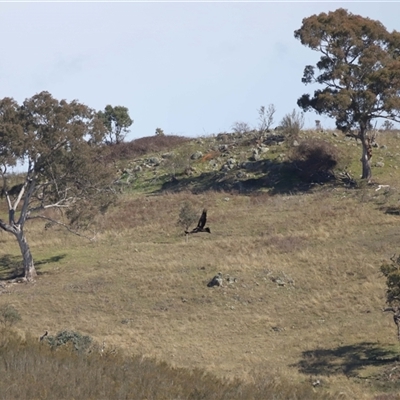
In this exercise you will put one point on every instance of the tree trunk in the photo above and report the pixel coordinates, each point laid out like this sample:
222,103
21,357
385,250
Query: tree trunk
366,157
29,267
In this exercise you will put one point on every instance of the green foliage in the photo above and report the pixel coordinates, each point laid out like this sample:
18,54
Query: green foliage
9,315
117,121
292,123
358,69
159,132
60,145
392,273
387,125
79,342
187,215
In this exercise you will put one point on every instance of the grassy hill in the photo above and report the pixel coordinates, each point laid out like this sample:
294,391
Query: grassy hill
301,316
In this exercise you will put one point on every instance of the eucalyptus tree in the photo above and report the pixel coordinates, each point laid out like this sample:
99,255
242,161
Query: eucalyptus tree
359,70
58,146
117,121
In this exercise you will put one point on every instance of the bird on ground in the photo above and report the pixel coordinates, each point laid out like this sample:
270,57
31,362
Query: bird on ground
43,336
201,225
216,281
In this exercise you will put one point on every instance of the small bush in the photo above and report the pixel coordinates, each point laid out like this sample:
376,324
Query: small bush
392,273
292,123
79,342
9,315
314,160
187,215
241,127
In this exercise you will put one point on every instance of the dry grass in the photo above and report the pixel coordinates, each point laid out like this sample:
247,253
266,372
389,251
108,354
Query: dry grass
141,288
306,304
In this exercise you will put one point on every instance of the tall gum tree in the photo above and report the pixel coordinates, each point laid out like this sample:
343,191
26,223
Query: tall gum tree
59,145
360,72
117,121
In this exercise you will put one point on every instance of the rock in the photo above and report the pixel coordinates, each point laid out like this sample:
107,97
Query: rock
196,155
154,161
231,162
231,279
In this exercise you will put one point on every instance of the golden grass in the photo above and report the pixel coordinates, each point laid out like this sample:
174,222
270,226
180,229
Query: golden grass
140,287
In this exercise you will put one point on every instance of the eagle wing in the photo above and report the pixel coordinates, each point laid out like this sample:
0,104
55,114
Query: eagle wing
203,219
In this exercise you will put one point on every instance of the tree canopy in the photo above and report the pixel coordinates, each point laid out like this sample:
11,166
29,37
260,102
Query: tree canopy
359,69
117,121
59,146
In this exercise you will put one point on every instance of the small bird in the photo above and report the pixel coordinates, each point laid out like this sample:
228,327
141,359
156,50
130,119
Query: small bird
216,281
200,226
43,336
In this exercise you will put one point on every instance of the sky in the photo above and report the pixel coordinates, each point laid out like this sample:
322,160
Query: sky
190,68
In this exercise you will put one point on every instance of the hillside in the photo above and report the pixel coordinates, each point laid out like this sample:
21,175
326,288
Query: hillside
302,249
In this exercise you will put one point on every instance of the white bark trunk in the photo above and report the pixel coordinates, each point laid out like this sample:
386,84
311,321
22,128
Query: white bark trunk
29,266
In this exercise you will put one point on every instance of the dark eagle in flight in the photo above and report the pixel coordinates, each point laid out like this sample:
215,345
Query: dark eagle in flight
201,225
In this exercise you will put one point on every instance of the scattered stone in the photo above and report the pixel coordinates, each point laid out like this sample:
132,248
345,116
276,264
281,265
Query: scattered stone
379,164
231,162
278,281
223,137
154,161
196,155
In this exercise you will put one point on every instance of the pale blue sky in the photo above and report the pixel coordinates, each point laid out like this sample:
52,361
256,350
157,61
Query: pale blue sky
190,68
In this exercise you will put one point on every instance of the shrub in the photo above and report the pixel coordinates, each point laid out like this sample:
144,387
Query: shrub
9,315
159,132
187,215
266,117
314,160
292,123
79,342
392,273
241,127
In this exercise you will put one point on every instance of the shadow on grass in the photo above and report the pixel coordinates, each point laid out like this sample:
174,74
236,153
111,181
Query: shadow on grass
279,177
11,267
347,360
391,210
